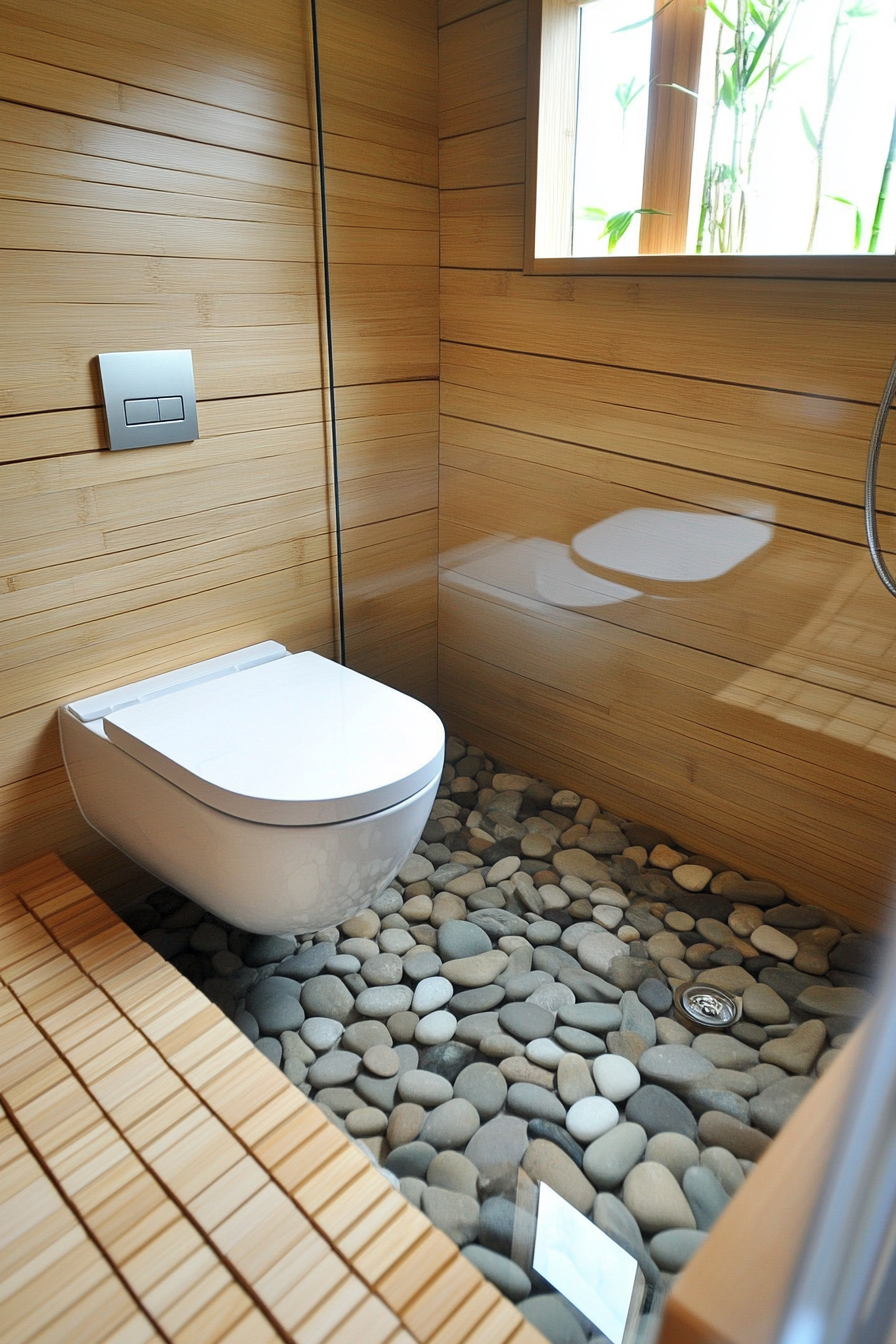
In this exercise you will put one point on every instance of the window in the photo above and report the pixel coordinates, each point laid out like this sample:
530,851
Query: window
713,135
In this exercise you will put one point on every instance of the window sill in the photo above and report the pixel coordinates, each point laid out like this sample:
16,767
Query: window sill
862,267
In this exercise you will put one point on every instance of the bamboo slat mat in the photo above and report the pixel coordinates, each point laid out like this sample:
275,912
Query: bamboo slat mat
160,1180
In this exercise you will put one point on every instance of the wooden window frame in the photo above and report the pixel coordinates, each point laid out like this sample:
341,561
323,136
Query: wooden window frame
553,38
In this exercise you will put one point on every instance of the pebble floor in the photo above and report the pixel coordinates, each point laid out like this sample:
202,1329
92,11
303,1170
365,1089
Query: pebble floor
502,1015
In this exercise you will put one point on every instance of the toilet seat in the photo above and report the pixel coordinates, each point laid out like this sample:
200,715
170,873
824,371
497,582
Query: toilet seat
295,741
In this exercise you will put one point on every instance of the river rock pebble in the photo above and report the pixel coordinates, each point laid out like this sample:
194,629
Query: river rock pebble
651,1193
483,1020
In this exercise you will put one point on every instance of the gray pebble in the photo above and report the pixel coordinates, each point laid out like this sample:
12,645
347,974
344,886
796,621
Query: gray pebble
384,969
526,1021
411,1159
530,1102
450,1125
271,1048
507,1277
426,1089
579,1042
483,1085
455,1215
672,1249
481,1000
362,1036
327,996
321,1033
334,1069
637,1017
593,1017
384,1000
305,965
705,1195
659,1111
266,947
609,1159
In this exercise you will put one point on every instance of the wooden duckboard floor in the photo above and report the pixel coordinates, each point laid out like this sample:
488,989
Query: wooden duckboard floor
161,1180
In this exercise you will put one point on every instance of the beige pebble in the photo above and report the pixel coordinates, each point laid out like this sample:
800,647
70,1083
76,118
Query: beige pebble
626,934
405,1123
676,968
382,1061
586,812
512,942
535,846
744,919
663,945
473,972
565,800
661,856
366,1122
774,943
725,879
468,884
824,938
637,853
698,955
417,910
517,1069
503,869
734,979
679,921
446,906
692,876
500,1046
364,925
505,783
570,839
811,960
421,888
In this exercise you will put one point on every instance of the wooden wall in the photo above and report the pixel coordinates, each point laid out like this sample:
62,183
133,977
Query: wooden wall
753,716
155,161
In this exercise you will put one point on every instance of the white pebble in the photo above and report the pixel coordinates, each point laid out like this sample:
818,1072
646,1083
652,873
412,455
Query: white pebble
436,1028
607,916
616,1077
544,1051
607,896
321,1033
587,1119
431,993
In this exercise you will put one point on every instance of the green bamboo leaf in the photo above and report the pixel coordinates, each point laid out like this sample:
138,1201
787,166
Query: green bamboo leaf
680,89
630,27
789,69
759,19
729,91
810,134
719,15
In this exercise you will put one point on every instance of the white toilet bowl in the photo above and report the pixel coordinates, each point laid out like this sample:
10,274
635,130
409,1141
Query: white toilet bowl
281,791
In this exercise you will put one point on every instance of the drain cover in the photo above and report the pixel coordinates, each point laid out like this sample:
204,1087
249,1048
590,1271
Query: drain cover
704,1008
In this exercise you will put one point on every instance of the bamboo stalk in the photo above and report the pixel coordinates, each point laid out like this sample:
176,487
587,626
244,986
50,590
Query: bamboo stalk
884,189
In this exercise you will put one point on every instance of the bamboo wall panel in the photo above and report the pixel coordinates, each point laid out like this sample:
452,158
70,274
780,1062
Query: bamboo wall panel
157,189
753,713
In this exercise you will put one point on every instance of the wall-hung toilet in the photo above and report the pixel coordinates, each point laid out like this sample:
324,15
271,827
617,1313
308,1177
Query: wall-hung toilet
281,791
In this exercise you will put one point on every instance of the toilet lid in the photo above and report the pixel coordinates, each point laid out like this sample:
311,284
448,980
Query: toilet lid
299,741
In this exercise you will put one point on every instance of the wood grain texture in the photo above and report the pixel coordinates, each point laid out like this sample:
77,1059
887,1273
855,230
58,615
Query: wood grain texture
752,713
158,189
156,1170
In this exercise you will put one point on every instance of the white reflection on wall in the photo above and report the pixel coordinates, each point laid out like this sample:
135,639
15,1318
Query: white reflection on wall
674,546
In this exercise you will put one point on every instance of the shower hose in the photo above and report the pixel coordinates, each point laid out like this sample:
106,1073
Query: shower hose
877,435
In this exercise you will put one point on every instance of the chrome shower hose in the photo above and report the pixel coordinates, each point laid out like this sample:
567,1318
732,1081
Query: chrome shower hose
877,435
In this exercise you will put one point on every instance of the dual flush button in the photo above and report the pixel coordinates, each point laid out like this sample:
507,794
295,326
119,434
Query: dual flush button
152,410
149,397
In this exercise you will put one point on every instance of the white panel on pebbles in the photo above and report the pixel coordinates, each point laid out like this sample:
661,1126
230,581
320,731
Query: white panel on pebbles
482,1025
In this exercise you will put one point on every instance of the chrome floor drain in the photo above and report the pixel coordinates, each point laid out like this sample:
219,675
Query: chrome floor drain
704,1008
